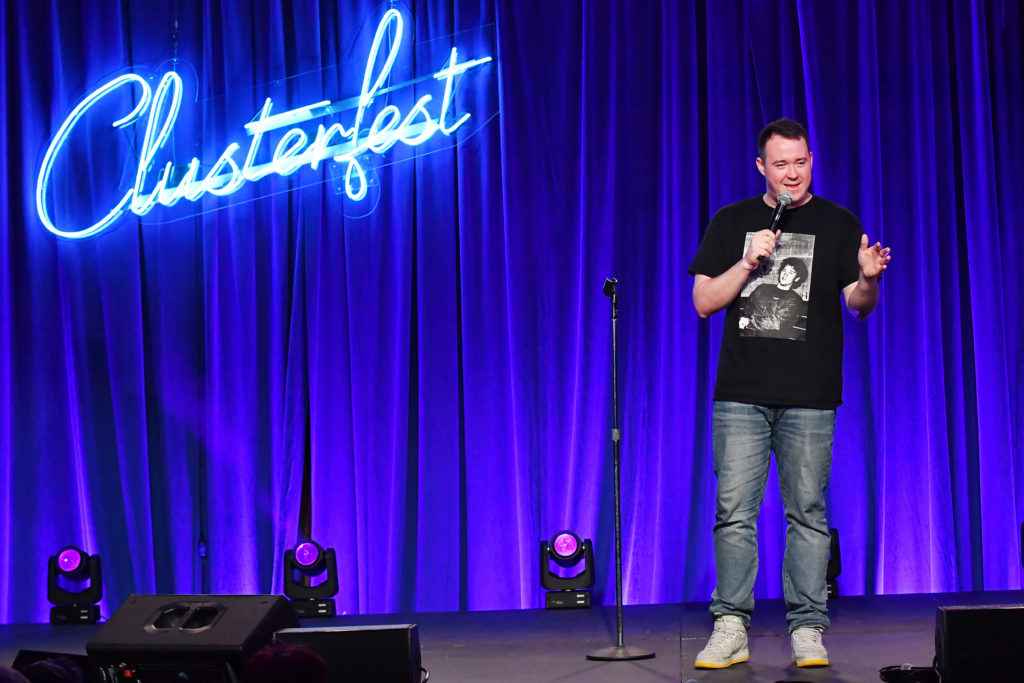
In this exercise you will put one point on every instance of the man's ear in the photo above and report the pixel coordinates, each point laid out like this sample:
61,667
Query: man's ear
760,165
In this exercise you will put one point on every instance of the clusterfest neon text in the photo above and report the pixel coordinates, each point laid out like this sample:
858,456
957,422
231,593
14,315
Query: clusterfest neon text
293,151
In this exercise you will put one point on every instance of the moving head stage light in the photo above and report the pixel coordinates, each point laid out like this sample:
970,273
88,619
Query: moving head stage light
304,563
567,551
73,585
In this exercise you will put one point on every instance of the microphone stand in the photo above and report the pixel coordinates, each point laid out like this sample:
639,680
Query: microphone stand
620,651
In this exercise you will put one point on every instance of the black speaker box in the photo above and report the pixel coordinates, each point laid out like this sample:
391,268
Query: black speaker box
979,643
198,638
363,654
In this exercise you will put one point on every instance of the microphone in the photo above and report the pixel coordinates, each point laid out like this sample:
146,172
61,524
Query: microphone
781,202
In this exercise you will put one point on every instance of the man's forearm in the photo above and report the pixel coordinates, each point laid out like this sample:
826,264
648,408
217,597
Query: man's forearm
712,294
864,297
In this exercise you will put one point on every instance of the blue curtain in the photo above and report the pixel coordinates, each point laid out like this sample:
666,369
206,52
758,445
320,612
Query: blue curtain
443,363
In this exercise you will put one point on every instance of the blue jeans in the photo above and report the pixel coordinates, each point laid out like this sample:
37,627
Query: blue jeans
744,438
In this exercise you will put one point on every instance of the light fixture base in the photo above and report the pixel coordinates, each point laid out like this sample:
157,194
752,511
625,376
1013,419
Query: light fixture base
567,599
317,607
75,614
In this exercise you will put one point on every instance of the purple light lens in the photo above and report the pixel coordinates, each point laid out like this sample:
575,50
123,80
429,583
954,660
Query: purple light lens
69,559
565,544
306,554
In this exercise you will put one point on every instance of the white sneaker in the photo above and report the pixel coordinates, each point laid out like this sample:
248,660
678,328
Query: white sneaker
807,647
726,646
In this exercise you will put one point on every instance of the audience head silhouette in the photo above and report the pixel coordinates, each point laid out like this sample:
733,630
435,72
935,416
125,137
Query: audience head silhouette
282,663
8,675
56,670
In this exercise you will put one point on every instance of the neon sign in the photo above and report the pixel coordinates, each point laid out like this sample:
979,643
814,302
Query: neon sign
294,150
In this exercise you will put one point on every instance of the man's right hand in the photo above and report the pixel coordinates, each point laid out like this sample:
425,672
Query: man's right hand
712,294
762,244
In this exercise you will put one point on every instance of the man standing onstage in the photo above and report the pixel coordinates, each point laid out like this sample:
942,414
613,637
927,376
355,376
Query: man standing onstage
778,383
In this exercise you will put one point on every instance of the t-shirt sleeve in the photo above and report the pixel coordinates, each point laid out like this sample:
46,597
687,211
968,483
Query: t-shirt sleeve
849,267
712,258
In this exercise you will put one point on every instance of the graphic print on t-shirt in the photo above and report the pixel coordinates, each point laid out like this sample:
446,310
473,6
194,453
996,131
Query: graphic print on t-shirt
773,302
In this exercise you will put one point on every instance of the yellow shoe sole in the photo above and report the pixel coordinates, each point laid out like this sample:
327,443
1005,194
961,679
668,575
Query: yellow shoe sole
713,665
811,662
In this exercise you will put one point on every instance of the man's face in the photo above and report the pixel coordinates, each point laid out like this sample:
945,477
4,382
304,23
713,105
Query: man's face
786,167
787,275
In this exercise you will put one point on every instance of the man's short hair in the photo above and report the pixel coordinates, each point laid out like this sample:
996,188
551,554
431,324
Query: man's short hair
799,266
786,128
8,675
55,670
283,663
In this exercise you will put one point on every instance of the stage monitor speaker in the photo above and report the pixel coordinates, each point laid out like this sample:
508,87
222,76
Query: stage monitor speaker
979,643
195,638
363,654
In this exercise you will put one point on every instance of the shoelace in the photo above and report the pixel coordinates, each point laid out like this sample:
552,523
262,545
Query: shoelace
807,637
720,636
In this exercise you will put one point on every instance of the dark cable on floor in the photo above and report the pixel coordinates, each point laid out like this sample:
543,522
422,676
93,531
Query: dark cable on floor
910,674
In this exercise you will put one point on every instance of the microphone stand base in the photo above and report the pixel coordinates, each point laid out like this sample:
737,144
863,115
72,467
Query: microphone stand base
620,653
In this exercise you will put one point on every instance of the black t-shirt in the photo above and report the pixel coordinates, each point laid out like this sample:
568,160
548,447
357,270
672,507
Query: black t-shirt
782,344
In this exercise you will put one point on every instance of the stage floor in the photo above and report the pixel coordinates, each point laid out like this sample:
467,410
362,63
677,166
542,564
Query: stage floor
540,645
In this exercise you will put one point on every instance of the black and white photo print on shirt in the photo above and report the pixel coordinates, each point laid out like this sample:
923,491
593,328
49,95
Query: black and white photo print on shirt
773,302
